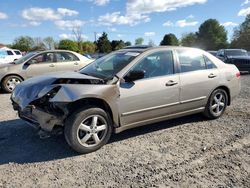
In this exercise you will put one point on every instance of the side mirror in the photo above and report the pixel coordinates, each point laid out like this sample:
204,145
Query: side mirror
134,75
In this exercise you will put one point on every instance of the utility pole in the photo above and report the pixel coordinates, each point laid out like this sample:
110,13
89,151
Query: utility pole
95,36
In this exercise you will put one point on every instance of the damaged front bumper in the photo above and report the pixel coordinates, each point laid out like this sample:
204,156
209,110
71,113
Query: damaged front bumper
38,117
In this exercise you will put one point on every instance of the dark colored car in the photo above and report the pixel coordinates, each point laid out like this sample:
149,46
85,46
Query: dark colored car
238,57
214,53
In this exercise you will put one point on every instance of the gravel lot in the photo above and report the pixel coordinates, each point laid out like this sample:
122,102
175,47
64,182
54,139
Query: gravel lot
187,152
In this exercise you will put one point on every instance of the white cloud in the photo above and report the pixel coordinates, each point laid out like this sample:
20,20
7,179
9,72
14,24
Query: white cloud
185,23
245,2
67,12
138,11
229,24
149,6
66,36
244,12
190,16
3,16
149,34
168,24
98,34
119,35
112,29
117,18
47,14
40,14
71,36
69,24
100,2
34,23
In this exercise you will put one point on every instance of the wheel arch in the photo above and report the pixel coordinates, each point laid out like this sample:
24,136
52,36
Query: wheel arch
93,102
11,74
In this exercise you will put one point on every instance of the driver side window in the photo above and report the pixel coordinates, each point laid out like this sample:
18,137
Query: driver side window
43,58
156,64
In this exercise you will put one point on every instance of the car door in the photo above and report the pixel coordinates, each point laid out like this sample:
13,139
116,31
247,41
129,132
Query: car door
198,77
153,97
66,61
42,63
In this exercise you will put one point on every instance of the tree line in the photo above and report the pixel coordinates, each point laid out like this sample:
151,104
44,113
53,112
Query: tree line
211,35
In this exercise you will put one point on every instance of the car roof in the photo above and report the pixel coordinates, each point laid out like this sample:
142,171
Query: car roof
53,51
144,48
233,49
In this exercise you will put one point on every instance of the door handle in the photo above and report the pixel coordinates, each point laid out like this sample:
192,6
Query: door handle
52,65
76,63
171,83
212,75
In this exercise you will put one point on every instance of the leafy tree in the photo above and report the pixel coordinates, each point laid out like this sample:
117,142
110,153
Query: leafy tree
49,42
169,39
23,43
212,35
139,41
117,44
128,43
38,44
88,47
189,39
241,37
68,45
103,44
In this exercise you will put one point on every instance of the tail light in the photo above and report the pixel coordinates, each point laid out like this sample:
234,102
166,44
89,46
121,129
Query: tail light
238,74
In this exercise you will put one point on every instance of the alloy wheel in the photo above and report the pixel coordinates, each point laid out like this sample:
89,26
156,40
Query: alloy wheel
92,130
218,103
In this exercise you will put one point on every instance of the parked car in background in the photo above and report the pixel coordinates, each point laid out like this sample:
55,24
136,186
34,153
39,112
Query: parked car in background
238,57
38,63
214,53
8,55
126,89
248,53
95,55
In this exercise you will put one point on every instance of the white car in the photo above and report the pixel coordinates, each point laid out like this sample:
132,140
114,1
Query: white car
8,55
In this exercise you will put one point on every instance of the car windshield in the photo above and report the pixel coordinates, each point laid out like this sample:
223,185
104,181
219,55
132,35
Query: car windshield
236,52
108,66
24,58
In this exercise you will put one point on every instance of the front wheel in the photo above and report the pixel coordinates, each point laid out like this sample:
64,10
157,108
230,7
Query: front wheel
10,82
88,129
216,104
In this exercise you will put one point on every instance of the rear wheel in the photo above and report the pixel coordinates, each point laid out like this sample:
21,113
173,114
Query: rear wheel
10,82
88,129
216,104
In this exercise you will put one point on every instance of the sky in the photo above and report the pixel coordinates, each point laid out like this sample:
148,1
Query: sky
121,19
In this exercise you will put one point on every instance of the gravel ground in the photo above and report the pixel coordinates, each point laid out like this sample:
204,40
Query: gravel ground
187,152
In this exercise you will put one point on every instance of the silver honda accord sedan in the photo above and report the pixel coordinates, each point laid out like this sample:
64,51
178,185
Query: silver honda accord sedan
126,89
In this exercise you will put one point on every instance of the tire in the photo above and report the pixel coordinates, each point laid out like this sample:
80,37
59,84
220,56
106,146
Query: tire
81,131
9,83
215,108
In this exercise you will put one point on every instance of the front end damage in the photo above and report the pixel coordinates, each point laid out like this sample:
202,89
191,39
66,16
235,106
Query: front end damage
46,102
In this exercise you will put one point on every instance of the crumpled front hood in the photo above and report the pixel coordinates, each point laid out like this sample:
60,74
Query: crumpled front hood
29,90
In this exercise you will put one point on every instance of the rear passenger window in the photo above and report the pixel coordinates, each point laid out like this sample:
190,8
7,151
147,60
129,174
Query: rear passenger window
209,63
66,57
9,52
191,60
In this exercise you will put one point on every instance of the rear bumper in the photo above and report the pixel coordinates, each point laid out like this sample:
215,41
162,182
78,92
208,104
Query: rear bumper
38,118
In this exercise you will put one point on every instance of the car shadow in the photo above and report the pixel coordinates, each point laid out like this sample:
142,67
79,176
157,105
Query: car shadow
20,143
